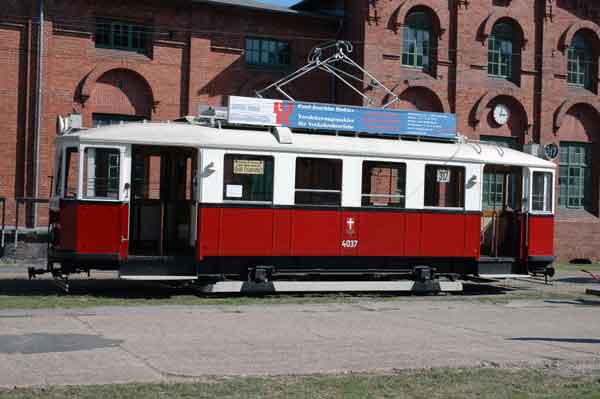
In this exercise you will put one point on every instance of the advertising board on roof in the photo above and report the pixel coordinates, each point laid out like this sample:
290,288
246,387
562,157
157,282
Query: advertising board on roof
317,116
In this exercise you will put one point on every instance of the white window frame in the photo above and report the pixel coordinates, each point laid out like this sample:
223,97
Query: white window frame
529,195
342,159
254,154
124,171
448,208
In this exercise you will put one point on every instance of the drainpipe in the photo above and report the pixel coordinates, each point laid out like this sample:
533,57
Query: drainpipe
39,110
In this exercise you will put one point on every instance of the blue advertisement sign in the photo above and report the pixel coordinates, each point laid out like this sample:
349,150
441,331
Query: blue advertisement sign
317,116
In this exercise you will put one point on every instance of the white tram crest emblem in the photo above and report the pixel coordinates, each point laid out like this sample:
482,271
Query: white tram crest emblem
350,223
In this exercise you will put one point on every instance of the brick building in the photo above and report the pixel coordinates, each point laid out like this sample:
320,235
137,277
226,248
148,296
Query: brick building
533,62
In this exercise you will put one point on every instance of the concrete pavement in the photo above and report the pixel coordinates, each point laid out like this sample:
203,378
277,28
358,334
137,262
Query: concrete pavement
173,343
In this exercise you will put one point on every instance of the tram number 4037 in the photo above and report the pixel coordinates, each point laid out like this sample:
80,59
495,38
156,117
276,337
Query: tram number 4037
349,243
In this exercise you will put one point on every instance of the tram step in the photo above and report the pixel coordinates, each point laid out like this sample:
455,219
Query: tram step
230,287
497,266
158,268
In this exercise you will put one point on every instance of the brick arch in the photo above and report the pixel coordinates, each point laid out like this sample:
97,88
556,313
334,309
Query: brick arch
498,15
426,92
566,106
119,91
570,33
90,80
400,14
489,97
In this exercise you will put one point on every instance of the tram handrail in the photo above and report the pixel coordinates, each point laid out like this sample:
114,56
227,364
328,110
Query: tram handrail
3,231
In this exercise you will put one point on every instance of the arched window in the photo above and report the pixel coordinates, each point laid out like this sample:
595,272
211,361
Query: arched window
580,65
417,46
500,51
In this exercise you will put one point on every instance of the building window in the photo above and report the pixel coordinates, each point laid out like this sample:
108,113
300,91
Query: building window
121,35
575,179
444,186
500,51
318,181
542,193
580,64
384,184
248,178
417,43
267,52
99,120
101,169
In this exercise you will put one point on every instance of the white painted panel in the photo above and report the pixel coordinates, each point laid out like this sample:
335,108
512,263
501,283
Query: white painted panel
211,176
473,187
285,178
415,184
352,182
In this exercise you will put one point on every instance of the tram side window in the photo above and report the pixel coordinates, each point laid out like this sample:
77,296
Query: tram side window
71,173
444,186
318,181
101,171
248,178
542,194
384,184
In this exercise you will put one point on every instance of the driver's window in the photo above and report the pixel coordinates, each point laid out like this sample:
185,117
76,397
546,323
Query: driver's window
101,172
542,192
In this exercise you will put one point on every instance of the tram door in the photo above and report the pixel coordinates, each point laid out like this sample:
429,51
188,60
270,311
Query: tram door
162,204
502,215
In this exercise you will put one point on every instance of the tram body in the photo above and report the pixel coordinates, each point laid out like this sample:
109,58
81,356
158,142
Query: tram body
194,201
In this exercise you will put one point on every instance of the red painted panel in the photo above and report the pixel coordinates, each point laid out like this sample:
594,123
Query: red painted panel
282,232
67,232
209,224
316,233
246,232
298,232
413,230
99,228
541,236
443,235
349,230
473,237
382,234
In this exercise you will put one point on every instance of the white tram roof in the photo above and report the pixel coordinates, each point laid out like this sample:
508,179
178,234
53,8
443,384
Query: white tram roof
192,135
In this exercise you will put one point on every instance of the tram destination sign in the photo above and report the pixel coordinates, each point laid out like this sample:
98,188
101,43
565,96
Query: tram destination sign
317,116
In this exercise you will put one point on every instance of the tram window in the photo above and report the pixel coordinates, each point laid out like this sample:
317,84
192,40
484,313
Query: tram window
384,184
444,186
541,196
318,181
101,171
71,173
248,178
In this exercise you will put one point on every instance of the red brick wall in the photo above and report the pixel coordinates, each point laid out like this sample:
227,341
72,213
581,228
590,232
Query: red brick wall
197,57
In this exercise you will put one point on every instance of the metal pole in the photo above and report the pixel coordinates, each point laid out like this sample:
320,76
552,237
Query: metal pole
39,110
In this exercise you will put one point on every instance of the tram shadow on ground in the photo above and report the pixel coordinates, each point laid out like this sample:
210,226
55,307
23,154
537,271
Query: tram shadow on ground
114,289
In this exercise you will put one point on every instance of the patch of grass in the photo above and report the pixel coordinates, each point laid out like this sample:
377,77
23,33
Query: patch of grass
44,294
428,384
572,267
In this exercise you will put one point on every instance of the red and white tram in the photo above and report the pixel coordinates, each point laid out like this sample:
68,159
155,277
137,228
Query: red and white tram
196,201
